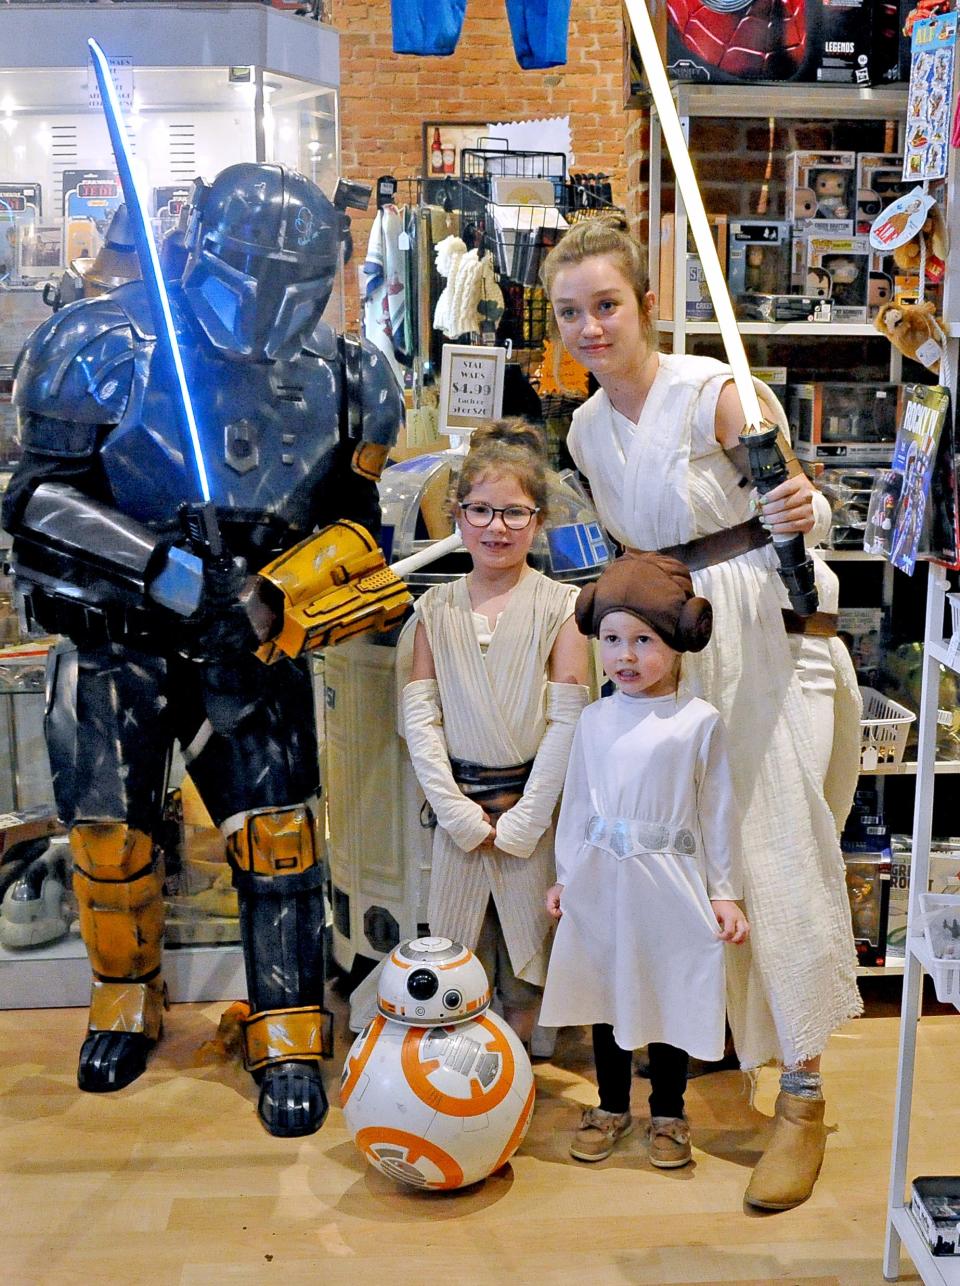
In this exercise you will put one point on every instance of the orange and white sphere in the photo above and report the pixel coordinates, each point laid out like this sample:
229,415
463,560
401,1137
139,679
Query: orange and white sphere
437,1106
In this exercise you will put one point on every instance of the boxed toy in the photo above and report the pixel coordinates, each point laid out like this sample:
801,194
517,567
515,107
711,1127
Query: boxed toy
782,308
860,630
758,257
935,1205
848,491
849,270
868,888
698,304
855,42
879,181
775,378
837,421
820,192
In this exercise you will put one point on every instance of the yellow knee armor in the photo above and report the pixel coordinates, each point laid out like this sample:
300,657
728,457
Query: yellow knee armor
118,882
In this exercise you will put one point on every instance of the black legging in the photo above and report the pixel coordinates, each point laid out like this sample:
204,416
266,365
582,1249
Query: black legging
668,1074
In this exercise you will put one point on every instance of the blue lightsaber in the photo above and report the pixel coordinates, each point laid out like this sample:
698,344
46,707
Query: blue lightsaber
156,288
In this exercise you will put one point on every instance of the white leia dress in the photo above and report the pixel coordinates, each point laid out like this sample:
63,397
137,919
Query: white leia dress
648,832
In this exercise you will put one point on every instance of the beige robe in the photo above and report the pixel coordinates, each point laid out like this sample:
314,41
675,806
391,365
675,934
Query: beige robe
666,480
494,714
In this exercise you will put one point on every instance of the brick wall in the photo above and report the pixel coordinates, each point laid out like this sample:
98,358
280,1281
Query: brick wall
385,97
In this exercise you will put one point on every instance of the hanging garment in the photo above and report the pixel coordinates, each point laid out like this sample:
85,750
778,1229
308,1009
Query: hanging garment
449,253
538,28
475,295
384,301
662,481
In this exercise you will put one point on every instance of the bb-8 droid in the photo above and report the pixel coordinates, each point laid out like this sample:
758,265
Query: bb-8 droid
436,1091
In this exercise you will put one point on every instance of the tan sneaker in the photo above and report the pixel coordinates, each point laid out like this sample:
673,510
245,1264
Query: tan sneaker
599,1133
668,1138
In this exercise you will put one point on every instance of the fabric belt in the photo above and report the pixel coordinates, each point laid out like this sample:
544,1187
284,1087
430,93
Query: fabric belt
494,789
627,837
720,546
821,625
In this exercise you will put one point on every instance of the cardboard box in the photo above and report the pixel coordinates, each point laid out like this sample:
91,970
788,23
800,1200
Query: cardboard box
820,192
775,378
841,422
758,256
935,1205
782,308
857,42
698,303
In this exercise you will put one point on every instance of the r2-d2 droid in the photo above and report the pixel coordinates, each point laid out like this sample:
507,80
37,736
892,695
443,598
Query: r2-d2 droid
437,1091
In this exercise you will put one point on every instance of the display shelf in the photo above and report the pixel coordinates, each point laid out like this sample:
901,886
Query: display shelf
850,556
58,976
810,329
909,769
943,653
796,102
894,970
935,1270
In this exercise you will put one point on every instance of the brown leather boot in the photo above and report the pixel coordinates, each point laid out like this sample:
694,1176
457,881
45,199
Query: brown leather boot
785,1174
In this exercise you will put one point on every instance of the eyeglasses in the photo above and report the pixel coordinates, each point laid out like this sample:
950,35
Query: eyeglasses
516,517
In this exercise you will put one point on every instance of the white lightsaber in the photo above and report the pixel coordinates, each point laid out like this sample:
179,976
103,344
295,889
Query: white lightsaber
429,555
693,201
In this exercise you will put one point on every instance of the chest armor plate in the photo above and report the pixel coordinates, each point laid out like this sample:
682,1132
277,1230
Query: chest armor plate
268,434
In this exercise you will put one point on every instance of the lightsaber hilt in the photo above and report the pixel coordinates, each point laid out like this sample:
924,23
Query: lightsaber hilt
768,468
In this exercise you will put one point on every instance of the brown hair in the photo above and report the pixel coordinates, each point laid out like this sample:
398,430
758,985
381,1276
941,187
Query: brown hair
603,234
512,446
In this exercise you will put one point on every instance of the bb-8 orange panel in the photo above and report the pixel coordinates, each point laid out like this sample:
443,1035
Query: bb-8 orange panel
437,1107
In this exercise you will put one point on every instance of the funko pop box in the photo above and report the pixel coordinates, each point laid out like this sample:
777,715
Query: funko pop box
849,268
879,181
839,422
821,192
758,256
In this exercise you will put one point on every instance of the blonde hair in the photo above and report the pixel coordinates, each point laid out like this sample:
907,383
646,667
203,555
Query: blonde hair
604,234
508,446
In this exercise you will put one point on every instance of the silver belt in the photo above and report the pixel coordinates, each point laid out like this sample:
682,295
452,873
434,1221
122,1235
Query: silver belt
627,837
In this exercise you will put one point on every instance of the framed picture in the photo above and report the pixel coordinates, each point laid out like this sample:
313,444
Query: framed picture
471,386
442,142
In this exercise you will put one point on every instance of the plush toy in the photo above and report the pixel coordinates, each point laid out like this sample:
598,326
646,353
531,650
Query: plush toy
934,234
913,328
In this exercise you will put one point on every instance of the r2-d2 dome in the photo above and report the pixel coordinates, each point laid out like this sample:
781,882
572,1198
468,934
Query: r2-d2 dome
430,981
436,1106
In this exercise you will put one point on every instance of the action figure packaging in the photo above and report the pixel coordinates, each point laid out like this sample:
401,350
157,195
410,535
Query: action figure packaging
879,181
757,307
699,306
855,42
844,421
846,270
848,491
943,877
775,378
860,630
820,192
868,888
758,258
935,1205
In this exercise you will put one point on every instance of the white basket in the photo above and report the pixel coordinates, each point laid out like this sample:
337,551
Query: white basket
883,730
934,909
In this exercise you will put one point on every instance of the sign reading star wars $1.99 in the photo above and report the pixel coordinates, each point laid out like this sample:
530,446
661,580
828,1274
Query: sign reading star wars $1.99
471,386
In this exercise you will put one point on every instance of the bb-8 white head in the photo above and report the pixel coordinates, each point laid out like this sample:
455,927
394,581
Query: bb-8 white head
431,981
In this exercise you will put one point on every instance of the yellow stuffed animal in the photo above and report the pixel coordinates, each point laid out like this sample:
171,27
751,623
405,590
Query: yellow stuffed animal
913,328
934,234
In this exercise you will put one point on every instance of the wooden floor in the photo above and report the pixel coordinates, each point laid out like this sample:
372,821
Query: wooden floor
174,1181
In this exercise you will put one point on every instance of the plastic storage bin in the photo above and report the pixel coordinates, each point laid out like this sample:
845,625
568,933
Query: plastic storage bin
937,910
884,728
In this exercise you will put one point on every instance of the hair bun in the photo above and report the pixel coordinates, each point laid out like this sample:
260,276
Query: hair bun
512,431
695,624
583,609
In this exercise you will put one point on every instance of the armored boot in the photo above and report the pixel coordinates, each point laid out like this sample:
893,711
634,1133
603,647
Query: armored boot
279,876
785,1174
118,882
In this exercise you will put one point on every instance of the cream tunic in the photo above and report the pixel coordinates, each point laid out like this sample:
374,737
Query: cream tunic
666,480
648,832
493,714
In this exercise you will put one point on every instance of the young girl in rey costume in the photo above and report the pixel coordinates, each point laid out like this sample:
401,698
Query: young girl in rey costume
653,442
648,860
498,682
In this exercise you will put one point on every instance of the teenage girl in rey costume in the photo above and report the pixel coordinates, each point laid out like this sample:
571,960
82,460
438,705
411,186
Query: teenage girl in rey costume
648,860
498,681
653,442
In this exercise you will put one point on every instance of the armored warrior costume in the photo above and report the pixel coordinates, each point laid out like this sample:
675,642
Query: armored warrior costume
294,425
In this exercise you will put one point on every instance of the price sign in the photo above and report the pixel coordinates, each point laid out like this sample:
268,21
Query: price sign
471,386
